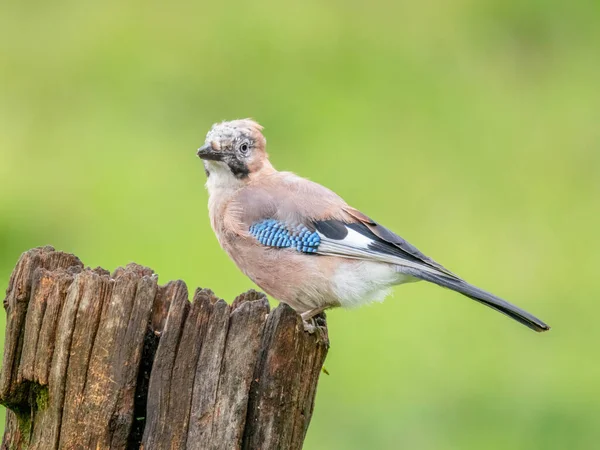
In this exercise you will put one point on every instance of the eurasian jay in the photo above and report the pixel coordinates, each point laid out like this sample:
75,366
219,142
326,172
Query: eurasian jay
302,243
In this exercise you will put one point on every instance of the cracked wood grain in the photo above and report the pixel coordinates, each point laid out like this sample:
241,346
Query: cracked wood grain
283,388
100,360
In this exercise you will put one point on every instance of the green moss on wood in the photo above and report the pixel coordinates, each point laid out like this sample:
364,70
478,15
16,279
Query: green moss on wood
24,403
40,394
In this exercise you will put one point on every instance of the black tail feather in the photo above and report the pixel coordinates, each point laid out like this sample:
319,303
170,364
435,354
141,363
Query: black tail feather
481,296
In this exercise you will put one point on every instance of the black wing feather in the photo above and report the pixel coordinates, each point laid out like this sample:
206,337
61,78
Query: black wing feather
382,241
391,243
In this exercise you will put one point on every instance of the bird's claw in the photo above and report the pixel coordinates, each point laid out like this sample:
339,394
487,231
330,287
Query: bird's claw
316,325
309,326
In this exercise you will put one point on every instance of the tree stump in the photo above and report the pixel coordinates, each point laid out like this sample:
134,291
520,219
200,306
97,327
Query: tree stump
100,360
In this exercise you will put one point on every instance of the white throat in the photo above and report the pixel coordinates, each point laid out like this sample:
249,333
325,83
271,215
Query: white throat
220,179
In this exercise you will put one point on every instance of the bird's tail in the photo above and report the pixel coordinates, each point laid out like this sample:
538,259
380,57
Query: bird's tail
481,296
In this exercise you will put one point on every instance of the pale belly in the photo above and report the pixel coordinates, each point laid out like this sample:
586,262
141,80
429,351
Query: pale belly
306,282
356,283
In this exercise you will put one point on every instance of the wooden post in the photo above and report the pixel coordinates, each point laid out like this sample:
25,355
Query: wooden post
94,360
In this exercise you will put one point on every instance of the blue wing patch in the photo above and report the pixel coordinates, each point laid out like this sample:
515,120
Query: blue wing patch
274,233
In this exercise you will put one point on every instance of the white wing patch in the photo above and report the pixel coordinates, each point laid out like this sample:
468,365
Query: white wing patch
356,246
353,239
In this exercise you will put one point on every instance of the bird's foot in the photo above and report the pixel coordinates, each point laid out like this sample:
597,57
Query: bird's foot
310,326
314,321
307,315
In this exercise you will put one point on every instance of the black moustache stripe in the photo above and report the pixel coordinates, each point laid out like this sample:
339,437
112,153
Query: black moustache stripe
238,168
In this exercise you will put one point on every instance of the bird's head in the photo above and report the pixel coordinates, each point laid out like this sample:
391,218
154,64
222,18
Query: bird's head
235,150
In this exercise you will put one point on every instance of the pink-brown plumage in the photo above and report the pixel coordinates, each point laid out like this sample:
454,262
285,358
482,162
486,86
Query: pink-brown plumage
282,273
351,260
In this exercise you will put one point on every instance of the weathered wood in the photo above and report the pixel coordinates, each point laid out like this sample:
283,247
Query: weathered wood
94,360
158,421
16,303
284,387
204,397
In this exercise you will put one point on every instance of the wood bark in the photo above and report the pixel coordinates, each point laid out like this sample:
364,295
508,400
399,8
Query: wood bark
100,360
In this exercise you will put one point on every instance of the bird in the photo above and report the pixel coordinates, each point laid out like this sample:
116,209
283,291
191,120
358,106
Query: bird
302,243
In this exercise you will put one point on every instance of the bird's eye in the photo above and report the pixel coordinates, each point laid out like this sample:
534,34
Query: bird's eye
244,148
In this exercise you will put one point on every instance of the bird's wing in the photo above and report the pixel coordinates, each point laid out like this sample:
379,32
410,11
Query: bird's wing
295,214
362,237
285,210
287,197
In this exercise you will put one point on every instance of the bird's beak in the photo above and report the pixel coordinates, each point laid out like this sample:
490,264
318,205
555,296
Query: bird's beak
207,152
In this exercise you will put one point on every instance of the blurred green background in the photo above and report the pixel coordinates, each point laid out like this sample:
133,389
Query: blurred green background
469,127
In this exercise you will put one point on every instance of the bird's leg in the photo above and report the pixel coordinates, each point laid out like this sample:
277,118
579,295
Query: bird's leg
308,318
307,315
309,327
